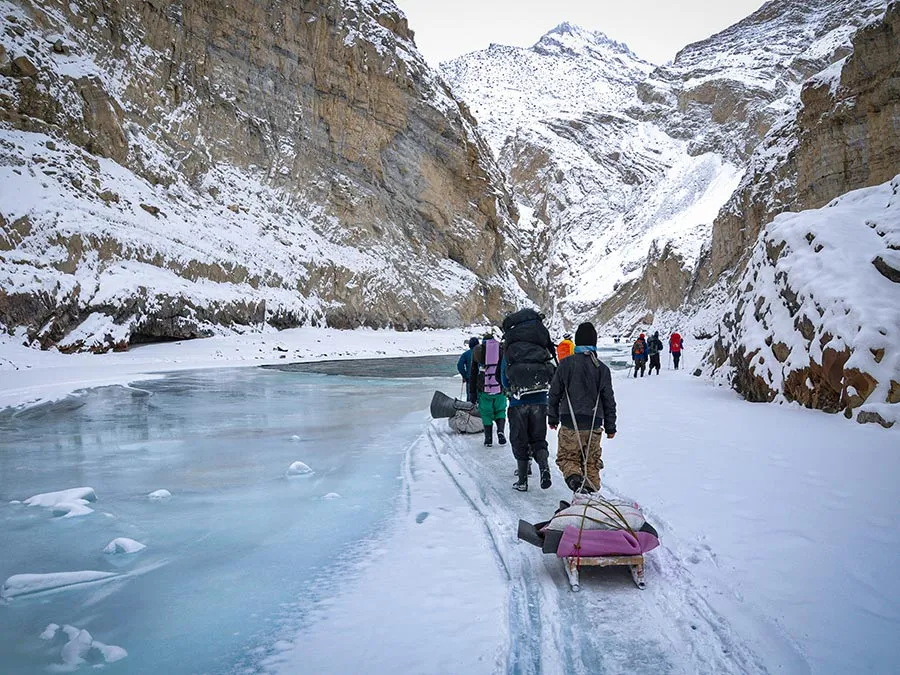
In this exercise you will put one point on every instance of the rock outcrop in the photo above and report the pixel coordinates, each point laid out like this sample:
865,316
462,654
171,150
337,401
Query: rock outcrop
170,168
816,318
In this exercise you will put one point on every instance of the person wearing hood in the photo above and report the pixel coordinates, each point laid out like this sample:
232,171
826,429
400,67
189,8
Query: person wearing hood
639,354
582,404
465,366
654,347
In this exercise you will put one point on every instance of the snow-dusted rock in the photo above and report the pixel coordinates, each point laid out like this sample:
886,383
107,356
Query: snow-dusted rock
298,469
123,545
388,181
159,495
25,584
816,320
66,503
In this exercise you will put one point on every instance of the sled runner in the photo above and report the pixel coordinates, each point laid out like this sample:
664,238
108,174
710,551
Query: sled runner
593,531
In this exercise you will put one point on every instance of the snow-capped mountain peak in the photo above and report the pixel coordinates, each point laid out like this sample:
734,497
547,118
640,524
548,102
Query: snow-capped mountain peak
568,39
570,69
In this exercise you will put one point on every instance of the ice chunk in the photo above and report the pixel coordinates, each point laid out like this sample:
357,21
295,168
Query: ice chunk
332,495
111,653
298,469
158,495
124,545
50,631
295,437
25,584
79,647
66,503
76,649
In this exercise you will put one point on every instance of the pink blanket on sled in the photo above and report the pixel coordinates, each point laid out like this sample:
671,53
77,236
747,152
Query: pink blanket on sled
604,542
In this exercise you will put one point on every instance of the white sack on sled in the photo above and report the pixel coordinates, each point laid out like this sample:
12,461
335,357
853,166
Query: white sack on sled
464,423
593,514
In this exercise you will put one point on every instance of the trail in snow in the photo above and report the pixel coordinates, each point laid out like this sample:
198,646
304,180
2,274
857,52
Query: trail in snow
611,626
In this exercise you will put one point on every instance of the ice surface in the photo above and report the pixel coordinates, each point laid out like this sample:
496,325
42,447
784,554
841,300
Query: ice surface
247,553
123,545
159,495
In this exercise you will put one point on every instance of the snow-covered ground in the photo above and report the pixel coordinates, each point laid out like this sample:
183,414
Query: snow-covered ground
779,526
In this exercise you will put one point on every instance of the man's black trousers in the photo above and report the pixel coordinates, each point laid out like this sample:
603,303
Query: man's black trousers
528,432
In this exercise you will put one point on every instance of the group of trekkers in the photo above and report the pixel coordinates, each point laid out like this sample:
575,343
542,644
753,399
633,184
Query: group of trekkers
644,350
563,386
537,384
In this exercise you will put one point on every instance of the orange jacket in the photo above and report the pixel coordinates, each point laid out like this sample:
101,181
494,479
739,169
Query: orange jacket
564,349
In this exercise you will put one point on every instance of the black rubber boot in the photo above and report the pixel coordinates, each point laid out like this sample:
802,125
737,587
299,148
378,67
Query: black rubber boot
488,435
501,427
575,481
521,483
546,481
516,472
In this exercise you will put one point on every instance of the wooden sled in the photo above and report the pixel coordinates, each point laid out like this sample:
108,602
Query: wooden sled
634,562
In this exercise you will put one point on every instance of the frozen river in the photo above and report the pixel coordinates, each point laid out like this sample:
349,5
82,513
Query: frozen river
239,554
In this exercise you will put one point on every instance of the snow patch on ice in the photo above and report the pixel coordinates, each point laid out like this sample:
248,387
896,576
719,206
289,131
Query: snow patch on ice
26,584
159,495
332,495
66,503
80,649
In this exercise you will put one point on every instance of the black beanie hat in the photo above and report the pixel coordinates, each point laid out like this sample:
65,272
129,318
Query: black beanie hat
472,342
586,335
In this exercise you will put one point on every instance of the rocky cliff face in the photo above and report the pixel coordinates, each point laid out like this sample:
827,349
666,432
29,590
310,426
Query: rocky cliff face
816,311
842,138
171,167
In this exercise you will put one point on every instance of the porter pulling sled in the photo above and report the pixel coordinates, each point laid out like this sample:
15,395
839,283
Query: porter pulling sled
594,531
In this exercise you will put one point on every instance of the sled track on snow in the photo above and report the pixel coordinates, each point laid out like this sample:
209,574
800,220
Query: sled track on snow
610,626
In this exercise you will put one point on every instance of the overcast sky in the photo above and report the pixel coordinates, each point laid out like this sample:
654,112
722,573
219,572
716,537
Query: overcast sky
654,29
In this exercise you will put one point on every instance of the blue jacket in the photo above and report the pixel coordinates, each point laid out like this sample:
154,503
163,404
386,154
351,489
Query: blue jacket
464,365
537,398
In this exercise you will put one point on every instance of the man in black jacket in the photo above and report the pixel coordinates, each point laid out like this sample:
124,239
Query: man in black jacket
582,401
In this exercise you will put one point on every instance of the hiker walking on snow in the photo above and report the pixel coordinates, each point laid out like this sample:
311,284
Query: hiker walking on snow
639,354
654,347
465,367
528,434
676,345
582,404
491,399
565,348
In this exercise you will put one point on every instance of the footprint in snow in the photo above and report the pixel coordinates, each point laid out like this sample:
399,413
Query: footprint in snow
421,517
